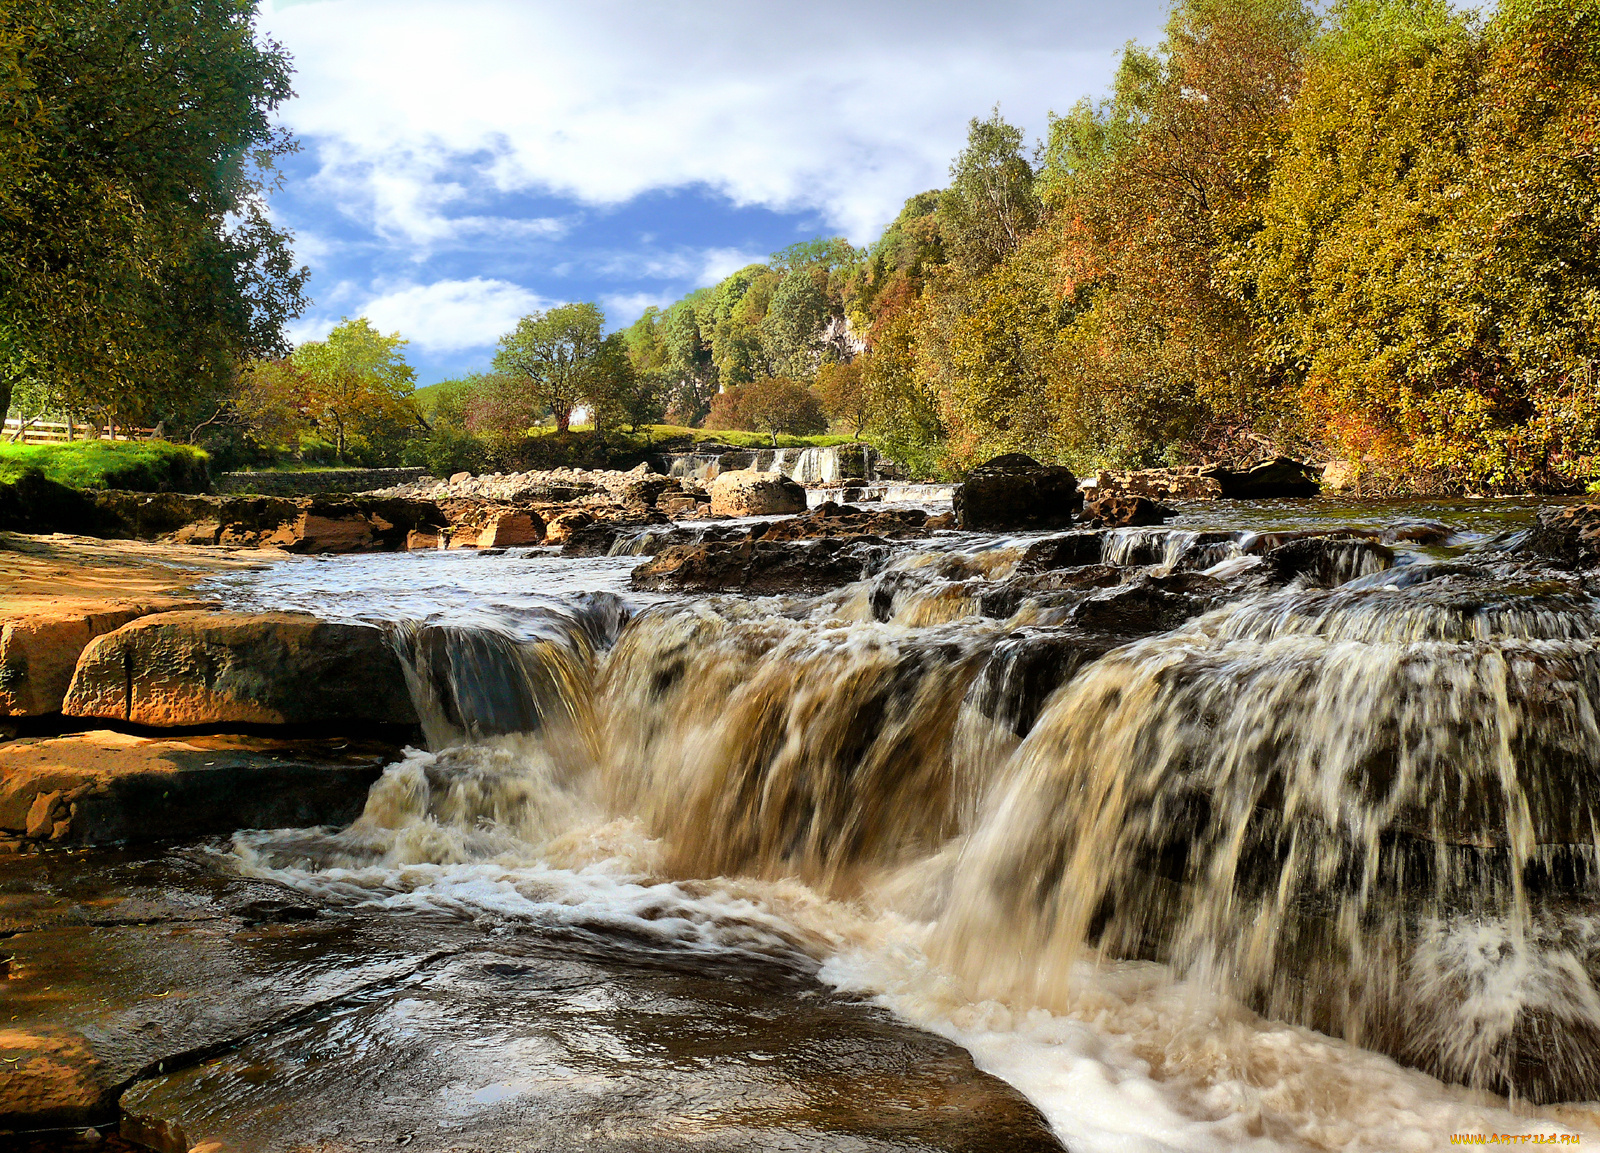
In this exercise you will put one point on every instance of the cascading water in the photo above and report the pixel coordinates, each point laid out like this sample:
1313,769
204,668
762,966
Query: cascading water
1366,809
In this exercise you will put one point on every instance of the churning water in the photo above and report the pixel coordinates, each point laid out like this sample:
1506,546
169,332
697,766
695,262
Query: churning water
1315,869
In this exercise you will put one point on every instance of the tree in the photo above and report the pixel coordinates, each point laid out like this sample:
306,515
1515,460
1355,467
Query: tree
845,395
775,405
356,382
990,205
690,366
554,355
797,313
1152,194
137,261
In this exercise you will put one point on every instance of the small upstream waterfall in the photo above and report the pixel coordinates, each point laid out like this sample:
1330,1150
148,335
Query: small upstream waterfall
834,464
1368,809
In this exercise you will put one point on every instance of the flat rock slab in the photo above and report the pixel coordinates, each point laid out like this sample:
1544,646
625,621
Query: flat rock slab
218,1009
204,668
96,787
39,650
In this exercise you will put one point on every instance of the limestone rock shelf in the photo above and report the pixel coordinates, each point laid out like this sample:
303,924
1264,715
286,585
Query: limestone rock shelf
102,786
170,999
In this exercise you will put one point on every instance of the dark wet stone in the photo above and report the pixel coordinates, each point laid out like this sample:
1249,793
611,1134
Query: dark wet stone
1120,510
1028,666
1150,604
1279,477
1328,561
1568,537
207,1020
836,520
760,566
1068,550
99,787
1015,491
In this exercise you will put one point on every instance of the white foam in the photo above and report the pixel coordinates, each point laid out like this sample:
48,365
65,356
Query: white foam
1136,1063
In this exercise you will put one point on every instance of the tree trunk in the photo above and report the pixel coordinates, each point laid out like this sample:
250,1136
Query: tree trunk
5,399
563,418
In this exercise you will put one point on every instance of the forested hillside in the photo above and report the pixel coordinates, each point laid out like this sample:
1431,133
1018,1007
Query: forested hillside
1368,235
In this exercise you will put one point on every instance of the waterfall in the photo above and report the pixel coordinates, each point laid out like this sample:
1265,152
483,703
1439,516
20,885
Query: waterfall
834,464
1369,809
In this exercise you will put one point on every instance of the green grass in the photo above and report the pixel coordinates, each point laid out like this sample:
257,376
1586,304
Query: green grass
144,465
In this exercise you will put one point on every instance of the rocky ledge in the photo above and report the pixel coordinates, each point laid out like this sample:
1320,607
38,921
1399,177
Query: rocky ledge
104,786
166,1001
1278,477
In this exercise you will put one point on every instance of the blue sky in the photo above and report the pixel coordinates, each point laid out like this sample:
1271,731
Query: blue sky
464,162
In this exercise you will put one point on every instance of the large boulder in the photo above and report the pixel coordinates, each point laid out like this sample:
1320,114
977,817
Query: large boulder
1278,477
1120,510
750,493
39,650
1015,491
1187,483
562,527
511,527
97,787
198,668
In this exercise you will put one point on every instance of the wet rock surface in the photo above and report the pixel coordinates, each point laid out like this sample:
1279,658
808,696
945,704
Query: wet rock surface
1015,491
182,1005
760,566
1567,537
203,668
103,786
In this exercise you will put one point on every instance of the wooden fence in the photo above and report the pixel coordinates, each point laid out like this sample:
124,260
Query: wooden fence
49,432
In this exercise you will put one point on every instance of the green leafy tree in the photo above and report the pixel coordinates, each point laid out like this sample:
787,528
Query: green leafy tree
693,379
555,356
137,261
792,329
356,384
990,204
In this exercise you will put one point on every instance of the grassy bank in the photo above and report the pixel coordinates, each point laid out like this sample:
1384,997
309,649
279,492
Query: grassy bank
143,466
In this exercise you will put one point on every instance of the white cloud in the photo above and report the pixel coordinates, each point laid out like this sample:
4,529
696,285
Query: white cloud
442,317
698,266
623,308
422,111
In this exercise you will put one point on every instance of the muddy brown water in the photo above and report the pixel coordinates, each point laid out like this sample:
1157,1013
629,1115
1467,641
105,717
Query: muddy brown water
953,858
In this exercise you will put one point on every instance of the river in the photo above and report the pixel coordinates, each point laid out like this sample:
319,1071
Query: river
1313,869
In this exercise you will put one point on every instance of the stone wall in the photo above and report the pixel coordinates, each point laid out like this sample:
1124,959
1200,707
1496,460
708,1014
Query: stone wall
307,483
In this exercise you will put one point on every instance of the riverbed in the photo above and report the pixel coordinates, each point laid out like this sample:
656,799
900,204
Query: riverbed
865,815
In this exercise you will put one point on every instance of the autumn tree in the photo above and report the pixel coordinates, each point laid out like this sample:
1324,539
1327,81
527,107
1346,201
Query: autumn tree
355,383
772,405
845,396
